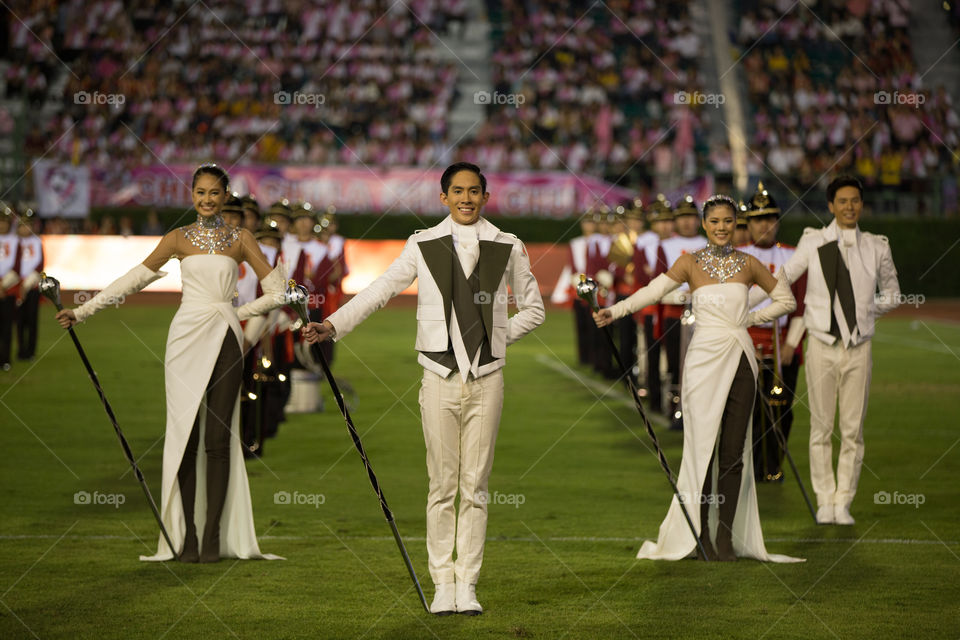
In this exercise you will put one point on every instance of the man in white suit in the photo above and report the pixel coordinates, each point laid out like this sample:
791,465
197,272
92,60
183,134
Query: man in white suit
844,267
463,267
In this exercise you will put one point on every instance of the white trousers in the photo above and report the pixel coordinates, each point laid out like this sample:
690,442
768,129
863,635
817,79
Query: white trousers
837,373
460,424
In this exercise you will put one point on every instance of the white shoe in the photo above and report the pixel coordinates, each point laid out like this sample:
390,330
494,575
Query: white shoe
444,600
841,515
467,603
826,514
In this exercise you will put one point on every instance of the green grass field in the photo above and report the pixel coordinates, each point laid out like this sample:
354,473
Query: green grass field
575,490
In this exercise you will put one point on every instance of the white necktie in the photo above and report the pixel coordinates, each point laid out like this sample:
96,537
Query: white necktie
468,252
847,243
468,247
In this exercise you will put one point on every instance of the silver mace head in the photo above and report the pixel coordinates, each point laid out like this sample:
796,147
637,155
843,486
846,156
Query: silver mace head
50,287
295,297
587,290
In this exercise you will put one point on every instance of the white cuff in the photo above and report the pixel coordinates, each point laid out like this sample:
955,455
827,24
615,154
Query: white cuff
29,281
10,279
273,295
795,332
782,303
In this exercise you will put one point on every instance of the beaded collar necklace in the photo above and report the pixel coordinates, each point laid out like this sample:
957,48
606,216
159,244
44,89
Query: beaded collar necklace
720,262
211,234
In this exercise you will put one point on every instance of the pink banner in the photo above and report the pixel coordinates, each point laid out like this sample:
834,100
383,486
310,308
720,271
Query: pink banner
397,190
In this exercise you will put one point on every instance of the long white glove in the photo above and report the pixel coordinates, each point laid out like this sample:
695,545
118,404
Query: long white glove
255,328
783,302
273,285
648,295
115,292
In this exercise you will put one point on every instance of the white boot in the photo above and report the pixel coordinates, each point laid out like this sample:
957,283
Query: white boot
467,603
826,514
444,600
841,514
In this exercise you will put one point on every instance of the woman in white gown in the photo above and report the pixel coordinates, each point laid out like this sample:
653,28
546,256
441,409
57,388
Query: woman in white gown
718,390
203,370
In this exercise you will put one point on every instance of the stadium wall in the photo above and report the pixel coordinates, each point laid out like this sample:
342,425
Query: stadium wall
925,250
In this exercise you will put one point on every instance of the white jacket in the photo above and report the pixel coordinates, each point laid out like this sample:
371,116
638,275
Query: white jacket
503,261
874,270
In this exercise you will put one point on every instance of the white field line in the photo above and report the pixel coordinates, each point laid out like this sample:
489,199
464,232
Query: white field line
585,539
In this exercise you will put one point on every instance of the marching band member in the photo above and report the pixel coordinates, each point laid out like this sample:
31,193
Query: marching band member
687,240
845,269
776,386
9,277
31,265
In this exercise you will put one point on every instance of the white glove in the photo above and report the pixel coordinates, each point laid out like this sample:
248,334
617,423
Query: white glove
114,293
10,279
648,295
29,281
677,297
283,322
254,329
273,285
604,279
794,333
783,302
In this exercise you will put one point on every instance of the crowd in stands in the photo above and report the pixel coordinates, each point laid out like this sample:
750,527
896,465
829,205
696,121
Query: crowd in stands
835,87
581,86
353,83
260,81
599,85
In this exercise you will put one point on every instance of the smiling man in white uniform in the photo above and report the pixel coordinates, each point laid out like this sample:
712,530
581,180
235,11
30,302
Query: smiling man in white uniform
463,267
851,280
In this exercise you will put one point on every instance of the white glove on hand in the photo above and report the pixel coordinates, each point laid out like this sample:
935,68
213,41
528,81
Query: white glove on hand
783,302
604,279
114,293
11,278
29,281
273,285
794,332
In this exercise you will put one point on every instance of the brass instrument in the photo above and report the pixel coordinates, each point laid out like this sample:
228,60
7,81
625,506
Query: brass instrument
622,249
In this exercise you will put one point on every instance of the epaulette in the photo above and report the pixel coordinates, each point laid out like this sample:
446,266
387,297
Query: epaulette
884,239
